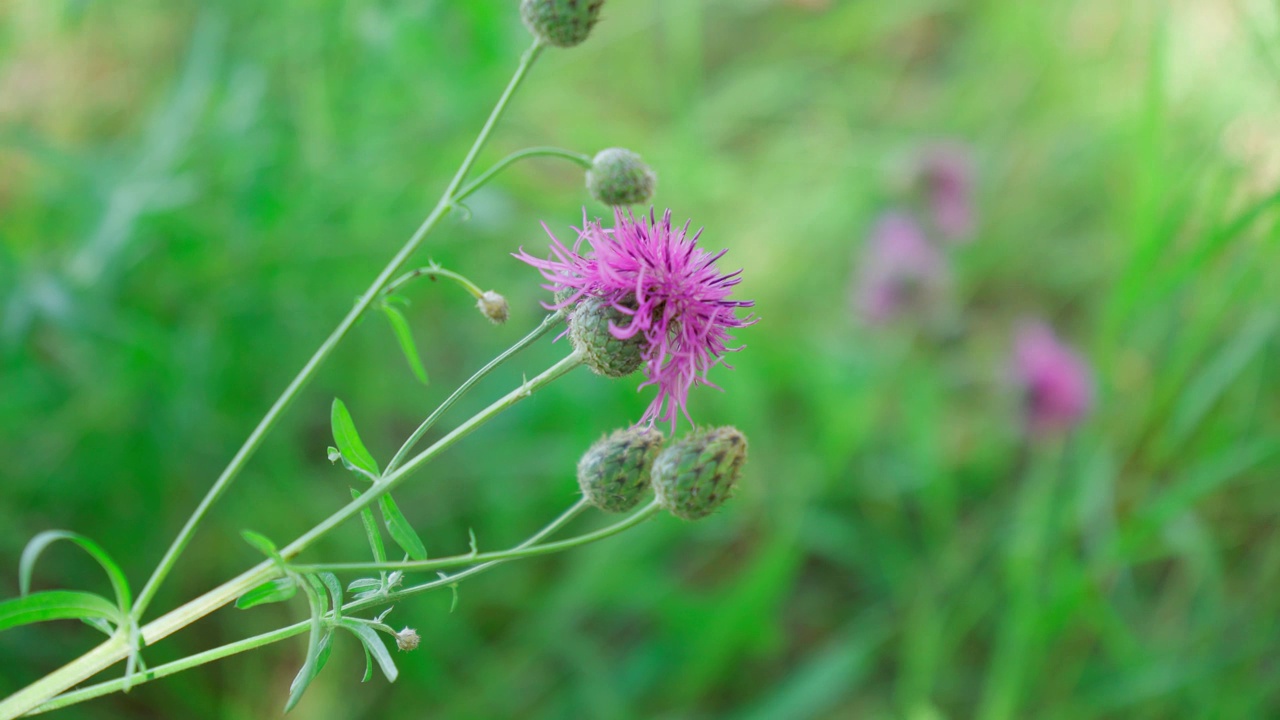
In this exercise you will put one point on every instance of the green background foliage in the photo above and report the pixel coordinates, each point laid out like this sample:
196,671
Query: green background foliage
191,197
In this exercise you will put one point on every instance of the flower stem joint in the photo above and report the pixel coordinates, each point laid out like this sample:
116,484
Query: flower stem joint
614,472
619,177
696,474
563,23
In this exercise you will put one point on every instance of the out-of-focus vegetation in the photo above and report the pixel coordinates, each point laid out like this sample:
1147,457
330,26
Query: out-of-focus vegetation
190,198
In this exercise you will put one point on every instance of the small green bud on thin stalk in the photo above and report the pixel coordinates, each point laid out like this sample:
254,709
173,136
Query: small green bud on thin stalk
563,23
696,474
614,472
619,177
602,352
493,306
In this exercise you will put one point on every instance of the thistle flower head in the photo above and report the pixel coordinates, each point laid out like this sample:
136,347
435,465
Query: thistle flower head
946,174
664,288
619,177
697,473
563,23
899,269
614,472
1056,383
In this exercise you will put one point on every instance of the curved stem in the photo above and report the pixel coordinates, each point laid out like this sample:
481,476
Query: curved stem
257,641
579,159
542,329
446,203
109,652
431,271
532,551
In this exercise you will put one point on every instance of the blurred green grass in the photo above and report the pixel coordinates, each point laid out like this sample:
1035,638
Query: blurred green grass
190,198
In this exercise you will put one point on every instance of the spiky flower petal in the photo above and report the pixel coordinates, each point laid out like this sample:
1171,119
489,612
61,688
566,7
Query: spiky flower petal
667,288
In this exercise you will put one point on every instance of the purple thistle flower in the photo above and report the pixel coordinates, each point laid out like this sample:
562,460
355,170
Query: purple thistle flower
1056,382
946,172
670,288
900,268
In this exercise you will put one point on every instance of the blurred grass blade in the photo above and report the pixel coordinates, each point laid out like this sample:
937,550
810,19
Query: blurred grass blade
1203,392
348,440
373,644
31,552
404,336
401,531
269,592
57,605
371,531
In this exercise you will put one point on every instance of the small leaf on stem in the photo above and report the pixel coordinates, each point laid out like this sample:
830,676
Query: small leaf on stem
401,531
348,440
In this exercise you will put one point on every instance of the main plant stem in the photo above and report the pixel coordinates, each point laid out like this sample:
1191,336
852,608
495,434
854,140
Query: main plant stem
116,648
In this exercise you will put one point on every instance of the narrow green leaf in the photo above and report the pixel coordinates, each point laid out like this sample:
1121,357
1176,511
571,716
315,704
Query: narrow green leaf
405,337
268,592
363,583
326,647
368,664
331,583
371,531
373,644
311,666
322,593
57,605
262,544
348,440
401,531
124,599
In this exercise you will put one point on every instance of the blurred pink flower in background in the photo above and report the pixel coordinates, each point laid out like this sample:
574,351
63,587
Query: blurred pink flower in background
947,176
1056,382
900,270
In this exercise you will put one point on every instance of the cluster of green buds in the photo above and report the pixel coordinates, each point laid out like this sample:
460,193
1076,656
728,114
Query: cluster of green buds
691,477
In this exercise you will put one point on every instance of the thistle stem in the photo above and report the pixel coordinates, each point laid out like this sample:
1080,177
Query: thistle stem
579,159
522,552
257,641
547,323
111,651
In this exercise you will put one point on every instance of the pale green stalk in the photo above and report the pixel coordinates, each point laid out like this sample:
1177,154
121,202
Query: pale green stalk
498,556
581,160
257,641
116,648
548,322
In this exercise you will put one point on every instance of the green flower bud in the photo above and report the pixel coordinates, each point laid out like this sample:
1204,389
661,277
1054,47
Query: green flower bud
604,354
619,177
696,474
614,472
563,23
493,306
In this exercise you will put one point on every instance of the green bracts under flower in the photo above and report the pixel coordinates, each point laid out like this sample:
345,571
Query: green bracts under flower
614,472
603,353
696,474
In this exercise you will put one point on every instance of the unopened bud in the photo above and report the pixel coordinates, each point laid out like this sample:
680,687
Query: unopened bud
614,472
619,177
563,23
493,306
407,639
604,353
697,473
